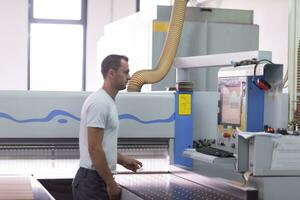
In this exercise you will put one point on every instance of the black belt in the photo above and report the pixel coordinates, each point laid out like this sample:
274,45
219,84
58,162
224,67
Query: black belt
86,171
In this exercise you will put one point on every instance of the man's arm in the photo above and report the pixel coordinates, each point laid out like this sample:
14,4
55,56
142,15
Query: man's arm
129,163
95,137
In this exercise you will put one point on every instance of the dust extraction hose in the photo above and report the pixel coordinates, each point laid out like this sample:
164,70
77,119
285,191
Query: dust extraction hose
142,77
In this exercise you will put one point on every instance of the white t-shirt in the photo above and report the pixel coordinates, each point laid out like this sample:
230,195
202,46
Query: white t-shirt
99,110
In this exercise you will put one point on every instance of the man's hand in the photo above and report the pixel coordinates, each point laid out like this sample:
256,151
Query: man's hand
132,164
114,191
129,163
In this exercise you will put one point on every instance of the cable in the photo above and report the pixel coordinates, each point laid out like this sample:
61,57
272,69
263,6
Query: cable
258,62
249,62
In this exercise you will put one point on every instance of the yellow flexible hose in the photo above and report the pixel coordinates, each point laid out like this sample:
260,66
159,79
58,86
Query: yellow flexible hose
168,54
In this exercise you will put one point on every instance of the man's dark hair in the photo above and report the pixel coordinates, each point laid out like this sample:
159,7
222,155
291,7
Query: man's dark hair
112,61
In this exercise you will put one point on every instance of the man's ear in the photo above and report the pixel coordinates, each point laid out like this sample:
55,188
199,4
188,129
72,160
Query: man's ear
111,73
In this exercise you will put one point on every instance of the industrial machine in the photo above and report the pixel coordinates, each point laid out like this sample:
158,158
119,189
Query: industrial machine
178,183
206,31
246,119
244,105
39,131
39,136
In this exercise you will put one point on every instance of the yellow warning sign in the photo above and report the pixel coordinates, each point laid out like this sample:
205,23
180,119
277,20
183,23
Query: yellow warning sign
160,26
184,104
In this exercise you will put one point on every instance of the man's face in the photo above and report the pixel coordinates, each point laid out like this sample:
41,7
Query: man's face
121,76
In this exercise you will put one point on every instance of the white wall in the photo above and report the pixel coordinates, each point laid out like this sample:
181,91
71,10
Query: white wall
100,13
272,18
14,34
13,44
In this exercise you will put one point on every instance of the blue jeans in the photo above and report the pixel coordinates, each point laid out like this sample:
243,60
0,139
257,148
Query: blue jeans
88,185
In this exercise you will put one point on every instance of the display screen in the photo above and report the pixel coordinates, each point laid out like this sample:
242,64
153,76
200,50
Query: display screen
231,101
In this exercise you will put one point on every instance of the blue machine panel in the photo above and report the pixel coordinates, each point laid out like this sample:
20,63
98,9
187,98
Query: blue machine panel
183,127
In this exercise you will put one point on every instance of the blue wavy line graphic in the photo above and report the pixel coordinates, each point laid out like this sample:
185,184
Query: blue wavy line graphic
132,117
48,118
55,113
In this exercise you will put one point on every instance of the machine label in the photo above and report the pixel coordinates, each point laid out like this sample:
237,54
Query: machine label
184,104
160,26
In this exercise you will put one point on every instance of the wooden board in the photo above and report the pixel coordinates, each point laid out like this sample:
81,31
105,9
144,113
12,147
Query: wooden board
16,187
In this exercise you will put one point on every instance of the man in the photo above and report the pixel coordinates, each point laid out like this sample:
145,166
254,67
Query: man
98,136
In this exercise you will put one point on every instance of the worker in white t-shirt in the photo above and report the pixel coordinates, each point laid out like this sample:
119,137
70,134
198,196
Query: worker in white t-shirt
98,136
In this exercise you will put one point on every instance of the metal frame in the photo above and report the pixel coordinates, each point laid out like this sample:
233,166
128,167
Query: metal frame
138,7
294,7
